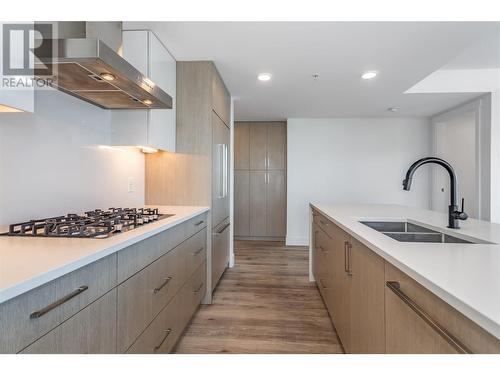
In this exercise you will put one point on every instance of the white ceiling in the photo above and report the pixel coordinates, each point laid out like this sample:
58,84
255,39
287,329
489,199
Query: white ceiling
402,52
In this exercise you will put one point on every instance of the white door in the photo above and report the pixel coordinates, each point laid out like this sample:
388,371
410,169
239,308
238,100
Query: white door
455,142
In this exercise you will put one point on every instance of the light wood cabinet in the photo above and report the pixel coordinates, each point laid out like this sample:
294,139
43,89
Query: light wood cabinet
164,331
260,198
221,100
92,310
90,331
341,280
193,175
160,336
376,308
276,203
144,295
367,300
258,146
220,168
242,203
408,332
276,146
25,318
242,146
258,204
220,252
354,295
156,127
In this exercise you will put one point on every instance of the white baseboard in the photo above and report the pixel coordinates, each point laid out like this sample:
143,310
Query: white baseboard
297,241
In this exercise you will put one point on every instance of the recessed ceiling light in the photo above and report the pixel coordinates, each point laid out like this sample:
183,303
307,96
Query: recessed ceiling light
392,109
264,77
369,75
147,101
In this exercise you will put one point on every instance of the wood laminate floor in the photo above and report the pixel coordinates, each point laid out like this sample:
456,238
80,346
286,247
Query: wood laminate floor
265,304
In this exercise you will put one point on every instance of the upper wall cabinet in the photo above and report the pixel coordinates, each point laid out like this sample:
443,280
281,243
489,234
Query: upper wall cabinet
156,127
16,91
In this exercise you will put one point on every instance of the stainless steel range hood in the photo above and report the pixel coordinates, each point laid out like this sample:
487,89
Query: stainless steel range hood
87,68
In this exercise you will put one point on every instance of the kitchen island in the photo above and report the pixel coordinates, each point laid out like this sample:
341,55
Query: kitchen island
466,276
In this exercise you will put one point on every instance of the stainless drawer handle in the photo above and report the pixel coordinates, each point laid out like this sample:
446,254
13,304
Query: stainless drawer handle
199,223
394,286
52,306
222,229
198,251
167,332
167,280
197,290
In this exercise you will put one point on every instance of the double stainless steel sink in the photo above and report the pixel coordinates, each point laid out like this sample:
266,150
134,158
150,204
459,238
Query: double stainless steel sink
404,231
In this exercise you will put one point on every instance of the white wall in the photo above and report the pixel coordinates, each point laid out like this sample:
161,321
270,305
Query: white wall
495,157
50,162
353,160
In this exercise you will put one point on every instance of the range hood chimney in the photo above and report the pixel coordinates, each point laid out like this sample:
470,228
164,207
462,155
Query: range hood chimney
86,62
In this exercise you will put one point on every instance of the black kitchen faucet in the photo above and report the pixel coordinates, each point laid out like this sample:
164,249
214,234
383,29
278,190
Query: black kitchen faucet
453,213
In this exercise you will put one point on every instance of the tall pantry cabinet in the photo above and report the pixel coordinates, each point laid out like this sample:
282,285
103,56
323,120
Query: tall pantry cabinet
260,180
198,173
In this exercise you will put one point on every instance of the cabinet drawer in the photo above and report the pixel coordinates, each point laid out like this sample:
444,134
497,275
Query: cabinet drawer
324,274
408,332
163,332
220,252
91,331
195,252
141,297
324,223
135,257
31,315
192,293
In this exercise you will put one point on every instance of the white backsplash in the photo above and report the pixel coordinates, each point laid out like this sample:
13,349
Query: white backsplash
51,162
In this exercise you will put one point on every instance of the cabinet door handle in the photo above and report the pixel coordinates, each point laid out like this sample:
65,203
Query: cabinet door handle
167,333
345,256
349,251
199,223
395,287
167,280
198,289
52,306
198,251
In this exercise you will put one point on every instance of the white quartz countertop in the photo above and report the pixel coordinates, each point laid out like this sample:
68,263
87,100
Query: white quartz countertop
28,262
466,276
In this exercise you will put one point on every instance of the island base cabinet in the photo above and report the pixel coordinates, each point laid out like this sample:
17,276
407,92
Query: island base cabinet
367,300
408,332
91,331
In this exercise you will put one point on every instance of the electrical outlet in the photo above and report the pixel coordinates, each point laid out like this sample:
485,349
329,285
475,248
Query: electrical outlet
131,185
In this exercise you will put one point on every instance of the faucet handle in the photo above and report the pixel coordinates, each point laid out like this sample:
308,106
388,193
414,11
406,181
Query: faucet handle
462,215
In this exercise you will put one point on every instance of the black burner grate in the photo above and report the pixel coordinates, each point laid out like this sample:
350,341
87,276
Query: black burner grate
91,224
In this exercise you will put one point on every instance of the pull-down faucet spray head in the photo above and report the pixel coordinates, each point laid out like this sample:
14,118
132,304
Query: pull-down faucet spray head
407,183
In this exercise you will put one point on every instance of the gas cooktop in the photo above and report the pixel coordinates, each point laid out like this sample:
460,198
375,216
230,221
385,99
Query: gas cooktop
91,224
